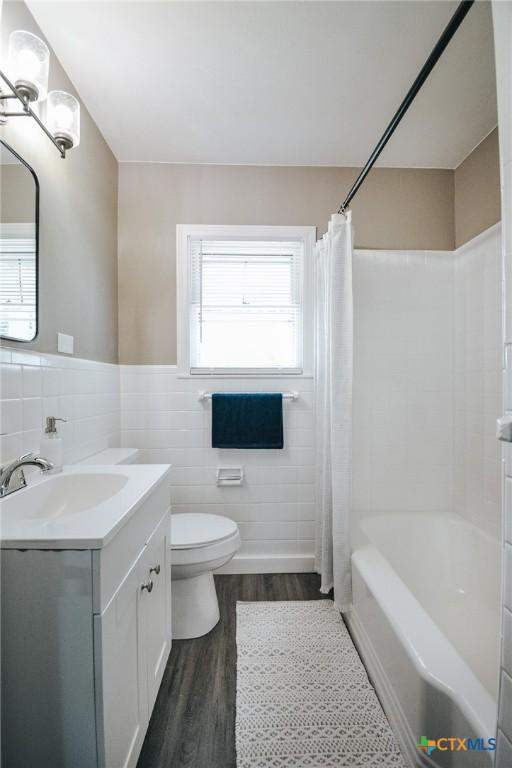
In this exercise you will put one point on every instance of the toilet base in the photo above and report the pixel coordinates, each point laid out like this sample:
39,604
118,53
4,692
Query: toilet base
195,608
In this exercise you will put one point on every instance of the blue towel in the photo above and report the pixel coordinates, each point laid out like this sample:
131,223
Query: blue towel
243,420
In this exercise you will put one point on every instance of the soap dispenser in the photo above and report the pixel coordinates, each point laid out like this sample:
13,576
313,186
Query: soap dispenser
51,443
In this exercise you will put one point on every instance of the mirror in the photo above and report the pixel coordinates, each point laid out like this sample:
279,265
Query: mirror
19,242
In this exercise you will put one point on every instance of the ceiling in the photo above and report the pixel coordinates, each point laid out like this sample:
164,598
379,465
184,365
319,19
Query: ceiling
299,83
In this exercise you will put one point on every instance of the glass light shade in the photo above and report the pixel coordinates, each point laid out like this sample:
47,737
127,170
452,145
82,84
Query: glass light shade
63,118
29,61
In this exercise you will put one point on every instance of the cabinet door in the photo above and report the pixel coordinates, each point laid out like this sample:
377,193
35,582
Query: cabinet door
156,608
122,706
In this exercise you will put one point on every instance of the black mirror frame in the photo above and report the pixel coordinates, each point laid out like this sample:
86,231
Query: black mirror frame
36,182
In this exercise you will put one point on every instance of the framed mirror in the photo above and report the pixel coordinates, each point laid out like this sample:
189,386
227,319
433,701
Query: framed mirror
19,247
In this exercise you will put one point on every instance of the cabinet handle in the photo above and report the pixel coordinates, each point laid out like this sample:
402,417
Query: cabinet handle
156,570
148,586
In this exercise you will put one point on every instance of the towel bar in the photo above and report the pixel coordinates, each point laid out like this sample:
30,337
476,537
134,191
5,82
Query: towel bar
286,395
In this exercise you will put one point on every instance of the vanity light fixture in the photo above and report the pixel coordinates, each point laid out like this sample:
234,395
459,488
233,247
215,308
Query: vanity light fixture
29,61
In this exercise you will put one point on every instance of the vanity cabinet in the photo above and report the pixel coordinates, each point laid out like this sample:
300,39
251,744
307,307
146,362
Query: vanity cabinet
132,644
85,639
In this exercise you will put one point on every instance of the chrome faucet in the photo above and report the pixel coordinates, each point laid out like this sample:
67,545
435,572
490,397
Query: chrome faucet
15,468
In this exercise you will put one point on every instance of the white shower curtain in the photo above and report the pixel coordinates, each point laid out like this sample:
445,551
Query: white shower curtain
334,355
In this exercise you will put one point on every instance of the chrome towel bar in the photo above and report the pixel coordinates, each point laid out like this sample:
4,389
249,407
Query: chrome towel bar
286,395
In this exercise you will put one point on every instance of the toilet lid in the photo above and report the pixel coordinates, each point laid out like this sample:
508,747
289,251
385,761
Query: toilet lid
195,529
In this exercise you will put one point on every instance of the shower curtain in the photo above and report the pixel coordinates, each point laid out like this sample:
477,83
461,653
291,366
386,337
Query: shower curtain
333,363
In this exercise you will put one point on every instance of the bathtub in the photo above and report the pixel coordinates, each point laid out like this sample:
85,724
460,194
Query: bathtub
425,620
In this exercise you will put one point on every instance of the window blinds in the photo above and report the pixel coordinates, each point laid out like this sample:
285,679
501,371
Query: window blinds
17,286
246,305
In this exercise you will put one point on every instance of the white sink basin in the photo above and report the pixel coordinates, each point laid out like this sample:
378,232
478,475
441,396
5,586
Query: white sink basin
79,508
65,495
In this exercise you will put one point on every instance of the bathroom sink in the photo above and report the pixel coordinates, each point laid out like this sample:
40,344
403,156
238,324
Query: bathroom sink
65,494
81,507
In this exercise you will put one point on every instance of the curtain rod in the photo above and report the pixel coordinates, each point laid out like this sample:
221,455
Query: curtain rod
439,48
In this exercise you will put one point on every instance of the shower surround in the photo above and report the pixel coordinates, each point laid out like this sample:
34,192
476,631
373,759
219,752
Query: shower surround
426,486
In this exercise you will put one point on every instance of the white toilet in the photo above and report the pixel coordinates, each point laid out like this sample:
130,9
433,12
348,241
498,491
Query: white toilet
199,545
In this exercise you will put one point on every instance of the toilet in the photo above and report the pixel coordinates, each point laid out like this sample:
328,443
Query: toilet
200,543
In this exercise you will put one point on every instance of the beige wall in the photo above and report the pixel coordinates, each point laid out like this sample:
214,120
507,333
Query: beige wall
477,190
78,223
395,208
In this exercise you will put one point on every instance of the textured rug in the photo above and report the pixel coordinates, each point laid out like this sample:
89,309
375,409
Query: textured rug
303,696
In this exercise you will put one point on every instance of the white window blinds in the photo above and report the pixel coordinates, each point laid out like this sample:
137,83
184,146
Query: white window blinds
17,286
246,305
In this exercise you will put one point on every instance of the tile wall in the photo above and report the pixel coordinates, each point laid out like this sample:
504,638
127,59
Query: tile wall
161,414
33,386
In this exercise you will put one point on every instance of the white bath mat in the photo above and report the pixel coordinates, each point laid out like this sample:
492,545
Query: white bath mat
303,696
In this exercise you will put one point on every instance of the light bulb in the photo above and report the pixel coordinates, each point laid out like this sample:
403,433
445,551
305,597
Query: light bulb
63,118
28,64
29,61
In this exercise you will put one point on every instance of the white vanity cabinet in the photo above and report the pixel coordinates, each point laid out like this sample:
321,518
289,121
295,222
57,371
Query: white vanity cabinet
132,644
86,634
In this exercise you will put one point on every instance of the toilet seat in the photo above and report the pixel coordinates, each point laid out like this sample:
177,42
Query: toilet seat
198,538
194,530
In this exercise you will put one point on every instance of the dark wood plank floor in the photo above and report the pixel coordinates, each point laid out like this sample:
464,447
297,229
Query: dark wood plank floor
193,722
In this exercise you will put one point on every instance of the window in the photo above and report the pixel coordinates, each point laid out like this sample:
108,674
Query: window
245,299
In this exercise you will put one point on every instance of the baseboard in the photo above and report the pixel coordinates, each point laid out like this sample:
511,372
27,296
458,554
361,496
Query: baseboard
390,704
267,564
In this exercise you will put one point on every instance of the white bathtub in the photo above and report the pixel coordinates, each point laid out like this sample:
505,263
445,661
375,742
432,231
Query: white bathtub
426,621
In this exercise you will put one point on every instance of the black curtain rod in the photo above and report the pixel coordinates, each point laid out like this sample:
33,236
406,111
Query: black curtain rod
439,48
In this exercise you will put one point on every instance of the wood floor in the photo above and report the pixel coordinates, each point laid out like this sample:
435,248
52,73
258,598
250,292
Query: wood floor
193,722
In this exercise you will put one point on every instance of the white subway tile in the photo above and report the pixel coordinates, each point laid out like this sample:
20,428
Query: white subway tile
162,438
25,357
261,548
306,530
32,381
306,547
204,494
193,476
10,381
52,381
299,438
268,531
257,512
162,419
10,416
31,441
10,447
32,413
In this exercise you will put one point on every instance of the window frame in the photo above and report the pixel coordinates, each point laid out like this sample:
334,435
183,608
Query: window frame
184,233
